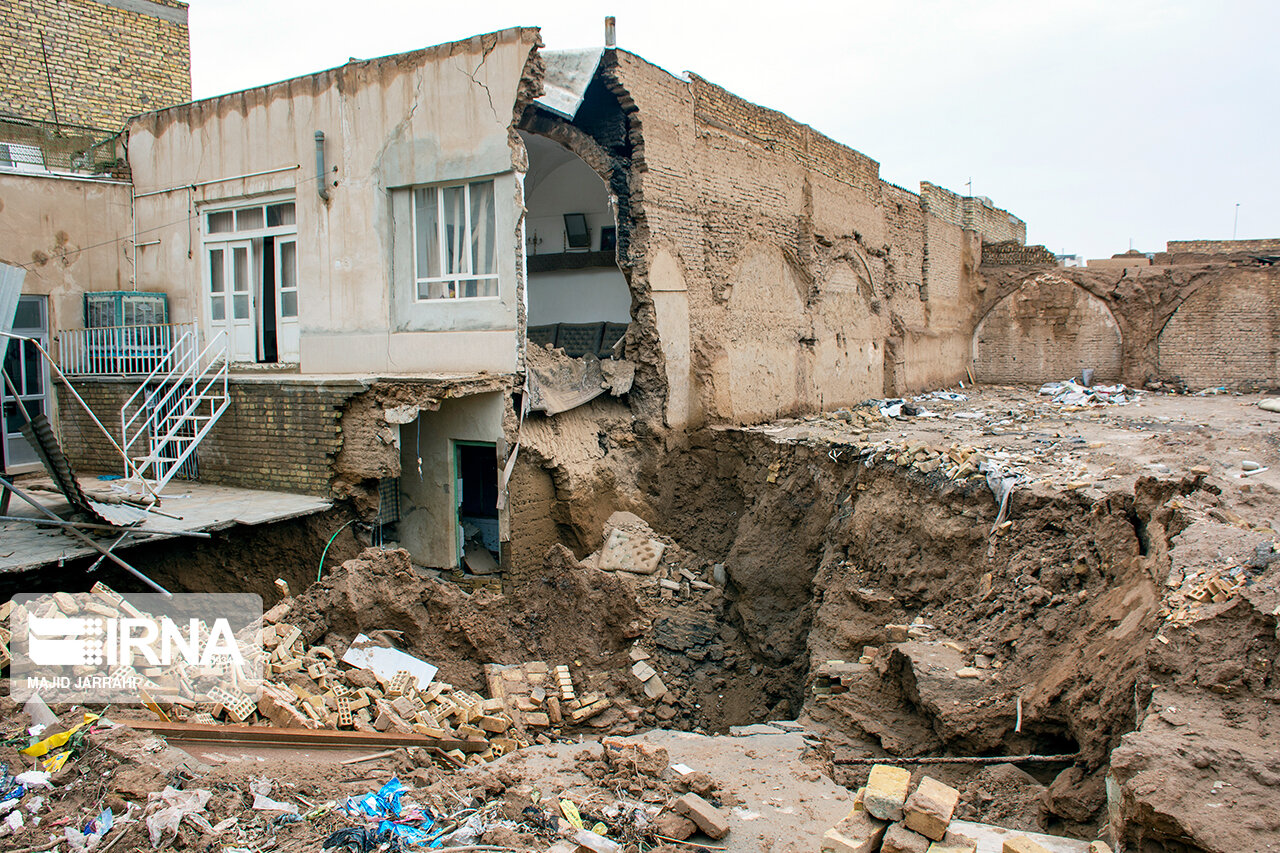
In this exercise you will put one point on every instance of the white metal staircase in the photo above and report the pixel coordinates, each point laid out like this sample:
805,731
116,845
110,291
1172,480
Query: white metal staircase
175,408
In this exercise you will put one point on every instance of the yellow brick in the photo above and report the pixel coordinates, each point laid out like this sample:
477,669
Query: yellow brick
886,791
1022,844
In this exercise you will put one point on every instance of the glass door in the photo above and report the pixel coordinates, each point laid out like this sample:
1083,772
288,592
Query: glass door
30,375
286,278
231,298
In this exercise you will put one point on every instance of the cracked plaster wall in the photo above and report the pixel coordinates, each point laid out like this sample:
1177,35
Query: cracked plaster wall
435,115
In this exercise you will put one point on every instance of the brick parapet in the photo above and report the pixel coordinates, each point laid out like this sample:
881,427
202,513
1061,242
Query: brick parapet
281,435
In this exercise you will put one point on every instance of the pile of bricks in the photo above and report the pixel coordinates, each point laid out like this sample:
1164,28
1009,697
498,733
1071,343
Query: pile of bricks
889,817
308,687
536,696
310,690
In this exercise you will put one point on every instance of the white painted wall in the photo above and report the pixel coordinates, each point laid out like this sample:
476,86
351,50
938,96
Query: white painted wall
579,296
560,182
428,507
433,116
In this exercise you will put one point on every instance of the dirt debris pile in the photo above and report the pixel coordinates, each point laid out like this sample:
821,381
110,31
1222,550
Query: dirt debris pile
315,682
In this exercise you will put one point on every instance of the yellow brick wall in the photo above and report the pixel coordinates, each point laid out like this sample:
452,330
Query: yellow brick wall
106,63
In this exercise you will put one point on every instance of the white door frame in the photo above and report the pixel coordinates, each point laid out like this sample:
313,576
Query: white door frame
233,297
287,329
19,457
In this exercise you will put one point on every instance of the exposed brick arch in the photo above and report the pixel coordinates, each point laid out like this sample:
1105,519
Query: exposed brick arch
1048,328
1225,333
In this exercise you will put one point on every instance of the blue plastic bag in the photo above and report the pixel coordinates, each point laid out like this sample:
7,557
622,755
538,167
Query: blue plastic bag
385,802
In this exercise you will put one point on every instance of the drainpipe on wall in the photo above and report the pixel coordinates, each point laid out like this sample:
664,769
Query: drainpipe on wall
320,173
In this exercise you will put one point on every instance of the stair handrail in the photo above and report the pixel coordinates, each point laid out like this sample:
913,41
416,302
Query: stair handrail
177,417
179,354
129,467
157,400
192,375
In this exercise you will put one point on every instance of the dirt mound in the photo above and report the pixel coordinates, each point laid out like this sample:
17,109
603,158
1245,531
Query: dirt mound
568,614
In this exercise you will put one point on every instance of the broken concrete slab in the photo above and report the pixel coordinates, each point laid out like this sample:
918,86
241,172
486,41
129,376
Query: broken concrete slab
953,842
386,662
628,552
991,839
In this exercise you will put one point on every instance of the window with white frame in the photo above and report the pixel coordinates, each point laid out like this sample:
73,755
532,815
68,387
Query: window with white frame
454,242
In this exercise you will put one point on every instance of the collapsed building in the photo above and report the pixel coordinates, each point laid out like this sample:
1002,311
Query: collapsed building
480,297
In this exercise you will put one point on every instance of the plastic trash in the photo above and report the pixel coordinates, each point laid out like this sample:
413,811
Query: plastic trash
170,806
11,790
34,779
596,843
356,839
385,802
1001,483
468,833
266,804
262,801
570,812
101,824
38,710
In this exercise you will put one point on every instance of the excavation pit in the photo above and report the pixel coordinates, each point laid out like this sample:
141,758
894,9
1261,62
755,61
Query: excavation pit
854,573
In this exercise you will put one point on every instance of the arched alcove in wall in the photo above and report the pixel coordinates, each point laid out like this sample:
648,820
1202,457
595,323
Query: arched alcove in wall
1047,329
1226,333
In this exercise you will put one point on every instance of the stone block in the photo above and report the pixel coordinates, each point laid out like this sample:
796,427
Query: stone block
857,832
630,553
929,808
1099,847
899,839
495,725
954,842
886,791
672,825
708,818
643,671
1021,844
654,688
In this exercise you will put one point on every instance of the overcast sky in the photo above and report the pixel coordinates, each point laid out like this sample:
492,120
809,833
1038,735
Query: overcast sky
1098,122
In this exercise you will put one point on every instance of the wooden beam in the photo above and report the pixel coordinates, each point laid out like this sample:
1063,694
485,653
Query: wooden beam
321,738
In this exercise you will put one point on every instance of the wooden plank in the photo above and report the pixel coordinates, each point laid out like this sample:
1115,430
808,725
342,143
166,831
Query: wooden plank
300,737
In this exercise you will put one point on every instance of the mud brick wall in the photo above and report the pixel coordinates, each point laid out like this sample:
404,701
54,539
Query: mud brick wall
774,272
1199,324
1226,333
973,213
1224,247
277,435
1015,254
776,259
1049,329
532,503
717,107
109,59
